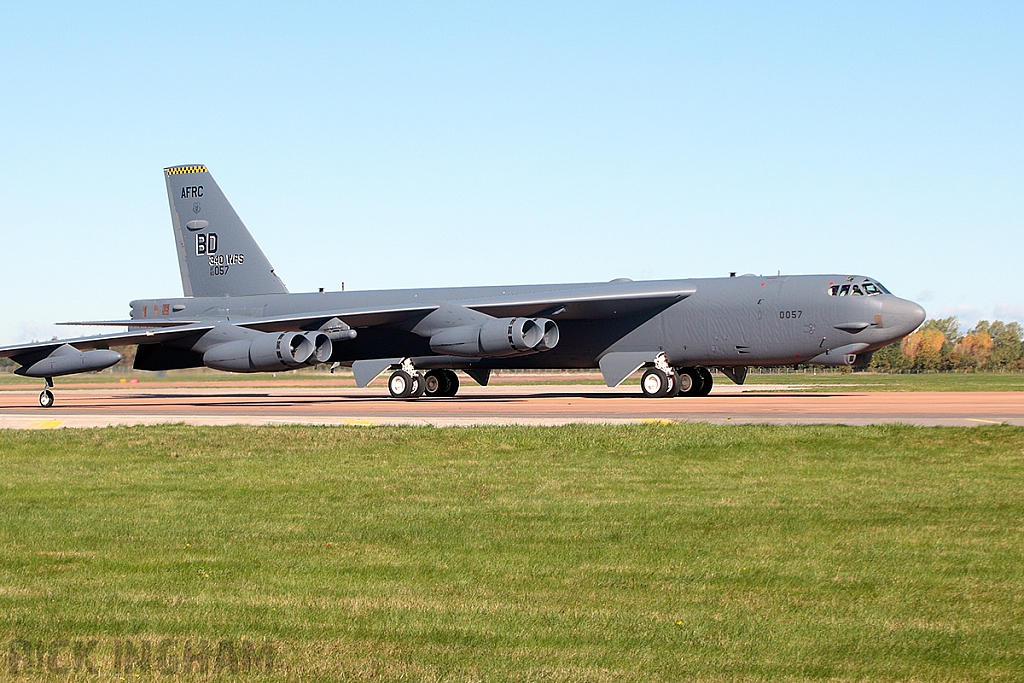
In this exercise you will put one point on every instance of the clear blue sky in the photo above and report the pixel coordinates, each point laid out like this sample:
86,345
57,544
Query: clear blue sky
390,145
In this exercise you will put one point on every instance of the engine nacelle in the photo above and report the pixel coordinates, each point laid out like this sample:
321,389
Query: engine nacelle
269,352
549,339
322,347
497,338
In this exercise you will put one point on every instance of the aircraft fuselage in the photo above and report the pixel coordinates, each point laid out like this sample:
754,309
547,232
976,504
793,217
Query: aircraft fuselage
734,321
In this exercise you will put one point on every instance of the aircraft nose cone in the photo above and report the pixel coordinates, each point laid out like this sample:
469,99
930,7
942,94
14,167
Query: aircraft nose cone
901,315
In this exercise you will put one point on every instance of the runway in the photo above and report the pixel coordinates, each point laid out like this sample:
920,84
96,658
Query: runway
497,405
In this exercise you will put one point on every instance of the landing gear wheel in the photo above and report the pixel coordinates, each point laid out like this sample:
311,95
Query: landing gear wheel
441,383
657,383
433,383
46,398
452,386
690,381
419,385
401,384
707,381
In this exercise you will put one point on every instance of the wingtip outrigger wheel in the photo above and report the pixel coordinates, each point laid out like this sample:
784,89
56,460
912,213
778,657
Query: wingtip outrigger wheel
46,396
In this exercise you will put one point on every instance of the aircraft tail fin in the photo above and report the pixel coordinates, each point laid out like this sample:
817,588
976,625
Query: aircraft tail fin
216,254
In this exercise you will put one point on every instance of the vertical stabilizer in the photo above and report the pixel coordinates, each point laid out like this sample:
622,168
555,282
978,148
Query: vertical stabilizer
216,253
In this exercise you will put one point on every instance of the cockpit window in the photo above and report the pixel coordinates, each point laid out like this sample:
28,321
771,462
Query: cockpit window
865,288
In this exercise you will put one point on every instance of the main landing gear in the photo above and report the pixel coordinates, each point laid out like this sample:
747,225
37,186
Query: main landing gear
662,380
411,383
694,381
442,383
658,383
46,396
404,384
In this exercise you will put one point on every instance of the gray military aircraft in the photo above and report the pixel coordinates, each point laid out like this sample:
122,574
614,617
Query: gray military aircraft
237,316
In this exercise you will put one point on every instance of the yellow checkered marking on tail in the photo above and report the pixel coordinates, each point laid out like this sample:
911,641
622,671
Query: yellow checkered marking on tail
180,170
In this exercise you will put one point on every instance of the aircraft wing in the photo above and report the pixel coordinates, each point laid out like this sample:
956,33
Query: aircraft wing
600,302
104,341
597,302
353,317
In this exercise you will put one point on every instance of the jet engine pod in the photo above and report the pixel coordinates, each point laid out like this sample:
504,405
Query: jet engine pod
322,347
494,339
509,336
67,360
265,353
550,338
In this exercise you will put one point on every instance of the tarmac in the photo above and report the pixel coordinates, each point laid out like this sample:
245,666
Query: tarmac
542,405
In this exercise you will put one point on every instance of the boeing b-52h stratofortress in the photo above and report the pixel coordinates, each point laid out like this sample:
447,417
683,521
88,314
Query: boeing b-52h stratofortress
237,316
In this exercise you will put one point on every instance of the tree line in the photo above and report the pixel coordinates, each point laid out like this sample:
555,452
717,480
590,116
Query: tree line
938,345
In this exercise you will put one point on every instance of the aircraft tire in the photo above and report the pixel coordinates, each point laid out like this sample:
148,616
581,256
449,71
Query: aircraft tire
673,377
690,381
452,386
707,383
657,383
400,384
46,398
419,385
434,383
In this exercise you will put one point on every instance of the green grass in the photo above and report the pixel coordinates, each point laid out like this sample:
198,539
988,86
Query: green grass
585,553
870,381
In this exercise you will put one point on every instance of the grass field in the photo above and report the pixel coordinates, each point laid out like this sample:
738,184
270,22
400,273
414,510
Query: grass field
870,381
639,553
